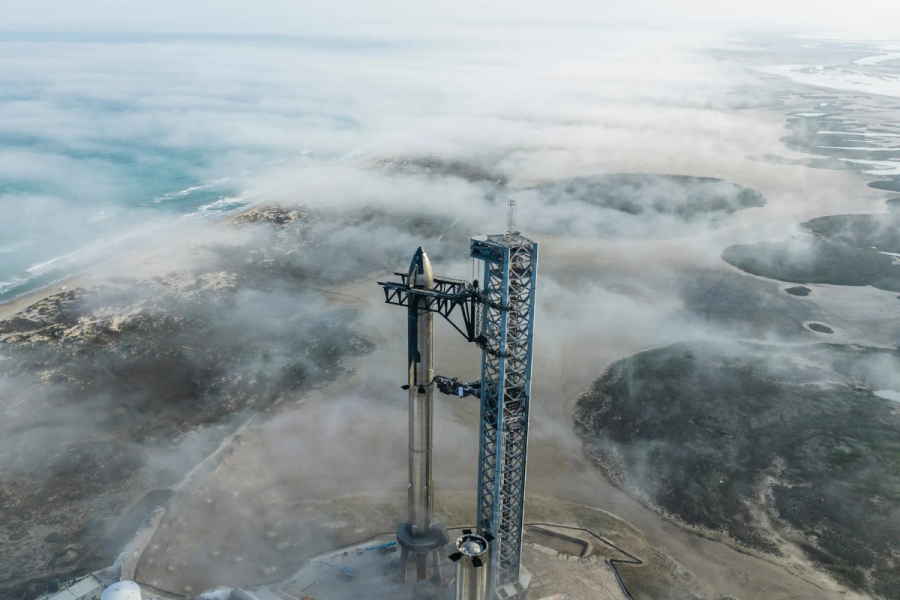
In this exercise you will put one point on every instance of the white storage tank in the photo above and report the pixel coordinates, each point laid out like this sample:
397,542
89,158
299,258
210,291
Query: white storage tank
123,590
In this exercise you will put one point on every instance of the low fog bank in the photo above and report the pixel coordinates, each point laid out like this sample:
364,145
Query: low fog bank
627,157
144,373
116,390
636,204
108,143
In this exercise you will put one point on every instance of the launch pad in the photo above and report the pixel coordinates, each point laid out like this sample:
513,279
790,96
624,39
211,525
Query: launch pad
567,562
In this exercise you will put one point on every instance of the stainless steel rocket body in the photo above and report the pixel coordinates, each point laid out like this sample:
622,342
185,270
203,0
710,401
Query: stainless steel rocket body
420,536
421,399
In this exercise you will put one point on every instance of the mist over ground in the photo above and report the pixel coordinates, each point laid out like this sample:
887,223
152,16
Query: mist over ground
211,212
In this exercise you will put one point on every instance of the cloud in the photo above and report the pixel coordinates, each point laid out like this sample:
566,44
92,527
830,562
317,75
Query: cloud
311,17
390,142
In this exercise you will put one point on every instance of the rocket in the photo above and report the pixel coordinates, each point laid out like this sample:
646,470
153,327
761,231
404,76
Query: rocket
421,399
420,536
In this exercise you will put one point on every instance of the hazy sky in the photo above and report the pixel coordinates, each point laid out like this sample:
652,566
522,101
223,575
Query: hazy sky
311,16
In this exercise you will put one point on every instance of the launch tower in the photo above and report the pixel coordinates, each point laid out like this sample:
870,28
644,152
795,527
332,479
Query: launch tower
506,340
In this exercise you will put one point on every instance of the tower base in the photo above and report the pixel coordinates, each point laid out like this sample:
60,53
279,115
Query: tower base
517,590
415,548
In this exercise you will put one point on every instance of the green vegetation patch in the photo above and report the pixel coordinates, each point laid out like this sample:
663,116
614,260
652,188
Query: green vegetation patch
812,260
798,291
871,232
891,185
721,434
682,196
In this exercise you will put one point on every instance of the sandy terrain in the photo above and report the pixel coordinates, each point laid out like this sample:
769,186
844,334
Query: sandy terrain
8,309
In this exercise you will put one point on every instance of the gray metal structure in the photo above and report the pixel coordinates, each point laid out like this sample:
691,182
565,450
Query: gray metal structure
499,319
507,333
420,365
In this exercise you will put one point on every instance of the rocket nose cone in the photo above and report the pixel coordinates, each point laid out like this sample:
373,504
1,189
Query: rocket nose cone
420,272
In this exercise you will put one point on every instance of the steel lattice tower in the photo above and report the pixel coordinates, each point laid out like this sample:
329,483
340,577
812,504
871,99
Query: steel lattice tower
507,327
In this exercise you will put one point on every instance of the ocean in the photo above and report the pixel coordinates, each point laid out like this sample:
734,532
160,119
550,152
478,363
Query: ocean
108,139
52,236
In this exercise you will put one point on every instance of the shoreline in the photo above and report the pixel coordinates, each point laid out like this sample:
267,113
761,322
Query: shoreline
13,306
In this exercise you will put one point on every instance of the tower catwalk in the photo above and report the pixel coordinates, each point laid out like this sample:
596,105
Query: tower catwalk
507,327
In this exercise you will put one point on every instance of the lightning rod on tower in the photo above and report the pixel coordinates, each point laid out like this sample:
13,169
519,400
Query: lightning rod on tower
511,216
